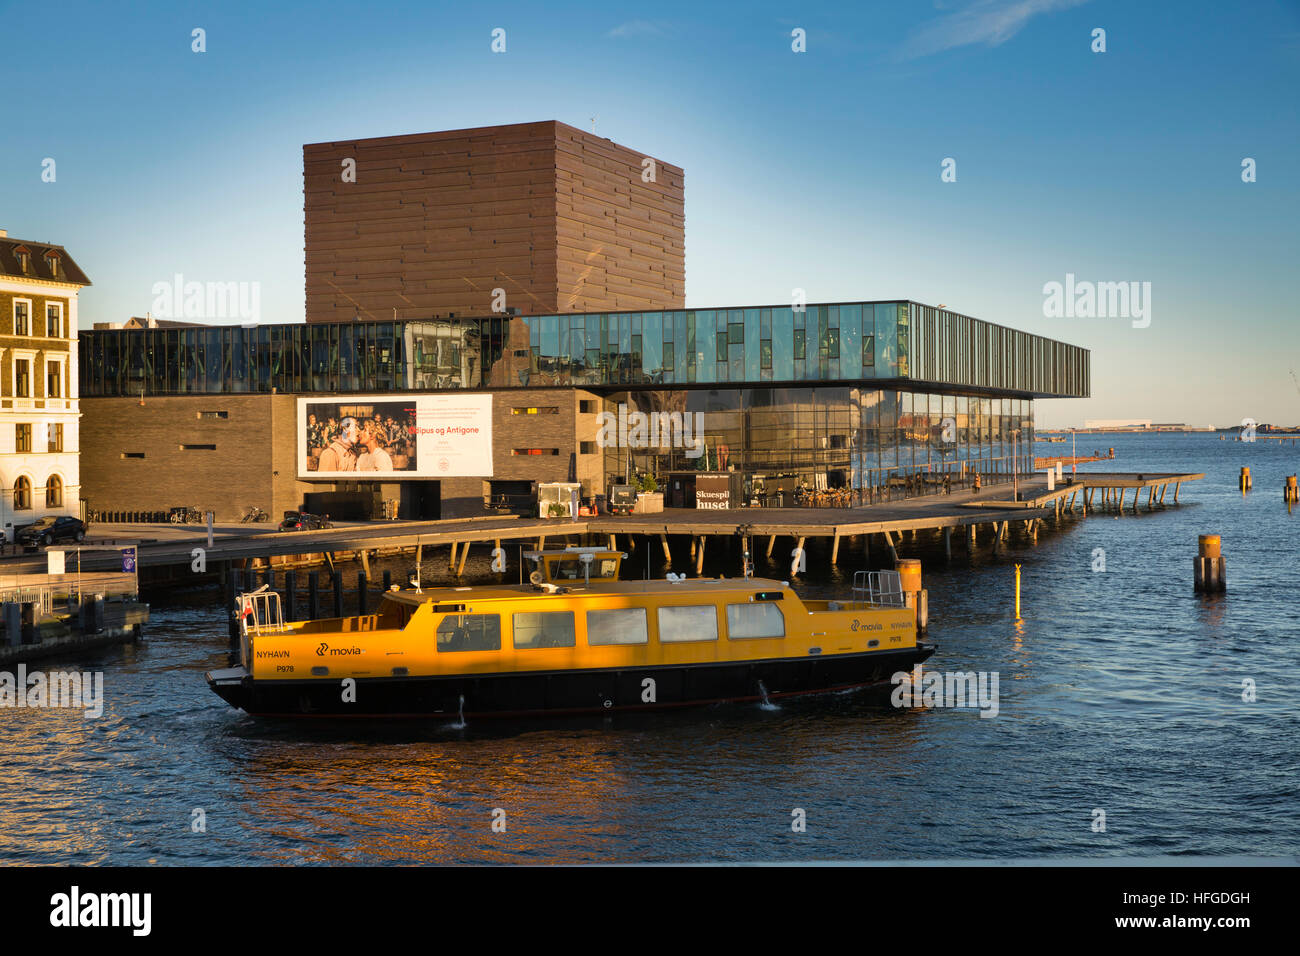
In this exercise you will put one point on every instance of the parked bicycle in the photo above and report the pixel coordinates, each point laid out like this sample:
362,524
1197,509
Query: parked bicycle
255,514
185,515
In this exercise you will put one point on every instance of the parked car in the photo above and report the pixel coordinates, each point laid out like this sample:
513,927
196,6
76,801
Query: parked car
51,529
302,521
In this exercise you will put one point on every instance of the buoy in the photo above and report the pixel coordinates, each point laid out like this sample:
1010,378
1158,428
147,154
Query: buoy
1209,568
1243,482
1291,491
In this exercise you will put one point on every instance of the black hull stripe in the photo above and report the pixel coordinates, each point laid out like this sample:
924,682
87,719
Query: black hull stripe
574,691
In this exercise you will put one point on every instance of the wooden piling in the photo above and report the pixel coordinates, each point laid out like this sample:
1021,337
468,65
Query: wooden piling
451,562
338,593
771,543
362,581
464,553
947,543
889,542
699,557
835,547
313,595
291,595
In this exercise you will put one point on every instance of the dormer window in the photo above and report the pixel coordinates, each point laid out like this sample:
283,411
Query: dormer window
24,256
52,258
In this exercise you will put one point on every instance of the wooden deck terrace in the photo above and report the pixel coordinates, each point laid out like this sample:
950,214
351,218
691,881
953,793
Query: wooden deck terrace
964,510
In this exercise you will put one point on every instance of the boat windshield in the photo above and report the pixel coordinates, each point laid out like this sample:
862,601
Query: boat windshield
602,567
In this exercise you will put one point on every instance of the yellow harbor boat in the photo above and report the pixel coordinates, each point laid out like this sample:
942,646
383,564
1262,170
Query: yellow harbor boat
574,639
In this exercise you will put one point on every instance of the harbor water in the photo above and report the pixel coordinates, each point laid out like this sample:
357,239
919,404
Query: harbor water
1134,718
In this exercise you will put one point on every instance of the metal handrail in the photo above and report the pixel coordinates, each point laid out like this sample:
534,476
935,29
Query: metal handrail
260,612
878,589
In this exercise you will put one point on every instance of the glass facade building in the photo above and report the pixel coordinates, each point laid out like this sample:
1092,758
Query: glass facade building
864,397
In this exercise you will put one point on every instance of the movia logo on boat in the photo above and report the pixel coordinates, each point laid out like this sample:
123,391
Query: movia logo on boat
919,688
334,651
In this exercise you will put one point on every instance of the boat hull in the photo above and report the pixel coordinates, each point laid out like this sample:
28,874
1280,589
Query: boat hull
579,691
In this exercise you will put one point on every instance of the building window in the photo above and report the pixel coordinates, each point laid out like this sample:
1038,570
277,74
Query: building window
620,625
586,448
52,258
469,632
198,447
534,451
132,454
54,320
55,434
22,494
24,259
551,410
22,438
53,379
22,318
534,629
799,344
586,406
54,492
681,624
218,415
868,351
23,378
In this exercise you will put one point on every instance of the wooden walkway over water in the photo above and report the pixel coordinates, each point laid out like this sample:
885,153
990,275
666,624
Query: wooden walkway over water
992,511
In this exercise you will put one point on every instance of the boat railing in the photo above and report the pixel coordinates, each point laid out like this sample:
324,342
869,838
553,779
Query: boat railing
260,612
878,589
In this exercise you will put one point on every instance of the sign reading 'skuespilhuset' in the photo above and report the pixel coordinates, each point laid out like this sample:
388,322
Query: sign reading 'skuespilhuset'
405,436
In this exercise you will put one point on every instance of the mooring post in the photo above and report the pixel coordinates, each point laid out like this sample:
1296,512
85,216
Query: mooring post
313,595
291,595
338,592
835,546
388,581
947,543
997,536
361,591
1209,571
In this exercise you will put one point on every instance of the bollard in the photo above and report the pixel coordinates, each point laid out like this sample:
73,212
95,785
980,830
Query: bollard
388,581
909,579
1209,570
291,595
313,595
361,592
268,576
1291,491
1017,592
338,593
1243,482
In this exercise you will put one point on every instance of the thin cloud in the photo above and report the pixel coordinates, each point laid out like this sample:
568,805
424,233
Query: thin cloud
990,22
636,28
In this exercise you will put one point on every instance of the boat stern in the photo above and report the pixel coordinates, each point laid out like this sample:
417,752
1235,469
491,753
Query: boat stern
231,684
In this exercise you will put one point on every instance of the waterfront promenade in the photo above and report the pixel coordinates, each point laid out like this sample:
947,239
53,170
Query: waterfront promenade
179,552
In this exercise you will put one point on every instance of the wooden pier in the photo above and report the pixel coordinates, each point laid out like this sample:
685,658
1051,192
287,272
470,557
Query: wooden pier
991,513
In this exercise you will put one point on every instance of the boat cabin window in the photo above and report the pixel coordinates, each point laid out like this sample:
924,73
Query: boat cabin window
543,629
469,632
681,624
754,620
620,625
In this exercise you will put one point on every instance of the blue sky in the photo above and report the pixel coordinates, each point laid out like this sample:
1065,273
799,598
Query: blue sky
818,170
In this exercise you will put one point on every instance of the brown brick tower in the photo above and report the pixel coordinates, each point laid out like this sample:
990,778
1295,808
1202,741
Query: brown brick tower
560,219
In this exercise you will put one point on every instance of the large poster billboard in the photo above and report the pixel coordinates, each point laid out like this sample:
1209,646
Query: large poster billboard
414,436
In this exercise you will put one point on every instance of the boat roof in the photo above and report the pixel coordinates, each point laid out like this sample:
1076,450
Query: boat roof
657,586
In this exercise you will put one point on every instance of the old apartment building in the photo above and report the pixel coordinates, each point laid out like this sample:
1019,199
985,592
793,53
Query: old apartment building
39,473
